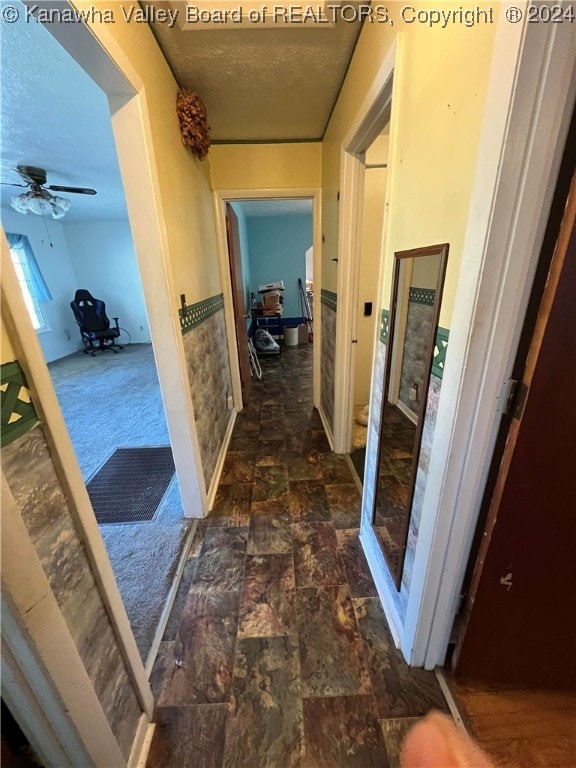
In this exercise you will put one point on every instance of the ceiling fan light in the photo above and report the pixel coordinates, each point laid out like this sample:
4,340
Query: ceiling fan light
39,205
20,203
61,202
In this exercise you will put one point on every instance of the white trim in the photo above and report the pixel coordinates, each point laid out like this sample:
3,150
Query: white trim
349,254
169,602
141,743
37,635
368,123
221,459
530,98
220,198
225,280
327,427
357,482
450,700
147,743
39,715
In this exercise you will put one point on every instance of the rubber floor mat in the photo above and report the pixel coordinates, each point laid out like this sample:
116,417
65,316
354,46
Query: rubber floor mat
129,487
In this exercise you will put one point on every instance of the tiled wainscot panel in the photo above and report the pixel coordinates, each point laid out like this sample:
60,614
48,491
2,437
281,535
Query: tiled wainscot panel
33,482
328,353
207,361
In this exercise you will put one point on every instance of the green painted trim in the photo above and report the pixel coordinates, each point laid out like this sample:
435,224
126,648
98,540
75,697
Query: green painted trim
15,401
195,314
422,296
440,349
329,299
384,325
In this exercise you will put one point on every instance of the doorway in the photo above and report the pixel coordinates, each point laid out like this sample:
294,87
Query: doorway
110,399
126,110
373,215
276,230
529,489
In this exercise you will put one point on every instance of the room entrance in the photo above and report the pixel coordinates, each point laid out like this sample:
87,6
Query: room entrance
268,266
110,398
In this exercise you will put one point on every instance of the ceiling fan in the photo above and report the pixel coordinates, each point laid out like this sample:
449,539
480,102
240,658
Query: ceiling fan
39,199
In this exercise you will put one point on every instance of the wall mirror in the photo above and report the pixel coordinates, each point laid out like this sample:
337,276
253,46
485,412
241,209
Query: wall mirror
417,284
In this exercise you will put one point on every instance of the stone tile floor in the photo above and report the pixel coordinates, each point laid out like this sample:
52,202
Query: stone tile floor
277,652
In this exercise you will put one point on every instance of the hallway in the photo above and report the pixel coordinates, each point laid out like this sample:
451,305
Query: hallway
277,652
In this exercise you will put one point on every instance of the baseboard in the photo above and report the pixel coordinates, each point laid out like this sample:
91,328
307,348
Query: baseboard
164,616
407,412
141,744
327,427
357,481
449,696
375,559
220,463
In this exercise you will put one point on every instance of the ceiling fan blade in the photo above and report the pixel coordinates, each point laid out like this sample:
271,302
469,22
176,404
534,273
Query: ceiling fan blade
32,174
76,190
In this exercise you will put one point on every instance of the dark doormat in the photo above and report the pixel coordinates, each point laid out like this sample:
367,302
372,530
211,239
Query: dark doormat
129,487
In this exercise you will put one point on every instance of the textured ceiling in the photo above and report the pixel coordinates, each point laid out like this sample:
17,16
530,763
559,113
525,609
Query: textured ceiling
55,117
259,81
253,209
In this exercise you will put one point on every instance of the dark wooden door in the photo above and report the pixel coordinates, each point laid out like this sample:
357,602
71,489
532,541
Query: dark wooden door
240,316
521,627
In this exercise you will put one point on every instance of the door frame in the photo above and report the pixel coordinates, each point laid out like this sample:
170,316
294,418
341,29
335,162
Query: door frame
234,266
102,58
220,198
530,96
372,116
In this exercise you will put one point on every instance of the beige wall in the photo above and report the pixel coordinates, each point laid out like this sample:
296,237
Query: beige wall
6,351
372,230
184,181
266,166
437,110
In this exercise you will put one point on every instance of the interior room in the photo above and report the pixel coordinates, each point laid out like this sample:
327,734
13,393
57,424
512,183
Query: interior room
276,247
110,397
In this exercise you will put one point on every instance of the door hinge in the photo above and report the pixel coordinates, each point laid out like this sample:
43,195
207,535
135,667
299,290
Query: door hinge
514,397
520,395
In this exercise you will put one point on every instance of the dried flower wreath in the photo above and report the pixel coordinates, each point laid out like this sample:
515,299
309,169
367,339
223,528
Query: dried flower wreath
193,123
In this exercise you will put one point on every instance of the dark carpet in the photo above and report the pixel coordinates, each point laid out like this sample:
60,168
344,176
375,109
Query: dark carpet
131,484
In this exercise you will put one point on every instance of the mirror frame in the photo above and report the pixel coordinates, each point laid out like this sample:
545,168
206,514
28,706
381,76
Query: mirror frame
430,250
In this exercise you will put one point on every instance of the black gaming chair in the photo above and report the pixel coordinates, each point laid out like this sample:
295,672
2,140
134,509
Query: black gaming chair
90,314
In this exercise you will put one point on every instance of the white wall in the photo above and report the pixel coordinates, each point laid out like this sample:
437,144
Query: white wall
98,256
104,262
63,337
310,265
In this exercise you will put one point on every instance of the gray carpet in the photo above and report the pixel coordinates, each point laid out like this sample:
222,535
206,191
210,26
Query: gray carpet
113,401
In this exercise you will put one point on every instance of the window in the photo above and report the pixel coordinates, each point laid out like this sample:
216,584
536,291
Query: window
33,285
